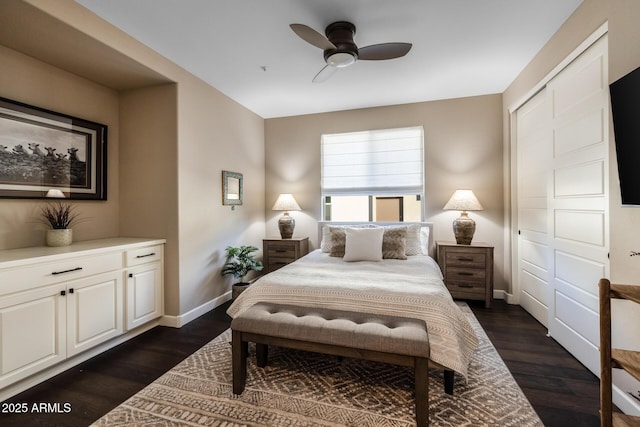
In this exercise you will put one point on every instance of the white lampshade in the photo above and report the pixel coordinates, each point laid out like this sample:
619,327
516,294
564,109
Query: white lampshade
286,202
463,200
55,193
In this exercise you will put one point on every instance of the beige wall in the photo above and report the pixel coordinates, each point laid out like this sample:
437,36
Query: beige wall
463,149
215,134
170,137
33,82
624,56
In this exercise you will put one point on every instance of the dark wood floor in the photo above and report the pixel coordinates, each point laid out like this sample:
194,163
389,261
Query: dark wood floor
561,390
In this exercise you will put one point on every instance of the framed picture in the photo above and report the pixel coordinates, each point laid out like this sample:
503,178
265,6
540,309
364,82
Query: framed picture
41,150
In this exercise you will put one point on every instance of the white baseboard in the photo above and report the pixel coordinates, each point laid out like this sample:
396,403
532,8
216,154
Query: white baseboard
183,319
507,297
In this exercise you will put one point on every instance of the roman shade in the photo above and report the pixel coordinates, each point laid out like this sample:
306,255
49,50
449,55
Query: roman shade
375,162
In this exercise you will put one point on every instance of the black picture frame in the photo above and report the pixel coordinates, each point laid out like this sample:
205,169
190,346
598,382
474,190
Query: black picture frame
41,150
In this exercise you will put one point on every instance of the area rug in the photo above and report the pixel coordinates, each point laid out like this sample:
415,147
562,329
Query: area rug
303,389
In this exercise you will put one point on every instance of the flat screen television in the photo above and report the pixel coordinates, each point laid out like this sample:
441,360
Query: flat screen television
625,107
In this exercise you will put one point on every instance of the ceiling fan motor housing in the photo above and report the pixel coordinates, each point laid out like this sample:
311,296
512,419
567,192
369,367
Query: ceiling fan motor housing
341,35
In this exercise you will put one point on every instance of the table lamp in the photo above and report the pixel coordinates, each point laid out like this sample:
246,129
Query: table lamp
286,202
463,227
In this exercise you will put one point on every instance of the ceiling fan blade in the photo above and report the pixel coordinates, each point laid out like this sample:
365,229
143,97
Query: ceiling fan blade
310,35
324,74
377,52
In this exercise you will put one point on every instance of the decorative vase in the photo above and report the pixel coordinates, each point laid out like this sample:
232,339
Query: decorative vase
464,228
59,237
286,224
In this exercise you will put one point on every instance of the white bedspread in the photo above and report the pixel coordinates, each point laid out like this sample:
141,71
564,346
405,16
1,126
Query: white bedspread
408,288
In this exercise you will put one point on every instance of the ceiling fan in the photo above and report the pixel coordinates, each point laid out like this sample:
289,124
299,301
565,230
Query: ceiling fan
340,50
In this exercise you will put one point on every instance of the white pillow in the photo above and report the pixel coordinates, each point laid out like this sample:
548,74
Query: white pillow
417,240
413,246
424,240
363,244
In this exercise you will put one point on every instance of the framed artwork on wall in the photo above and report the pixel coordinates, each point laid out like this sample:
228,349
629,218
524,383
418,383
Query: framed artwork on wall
41,150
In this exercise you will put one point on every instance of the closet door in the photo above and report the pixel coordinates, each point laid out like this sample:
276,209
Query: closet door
579,201
534,159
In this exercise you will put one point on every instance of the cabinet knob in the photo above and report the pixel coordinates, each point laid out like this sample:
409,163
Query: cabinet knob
130,274
71,290
63,293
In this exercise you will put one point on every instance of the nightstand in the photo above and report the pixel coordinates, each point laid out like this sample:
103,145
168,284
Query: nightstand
467,270
280,252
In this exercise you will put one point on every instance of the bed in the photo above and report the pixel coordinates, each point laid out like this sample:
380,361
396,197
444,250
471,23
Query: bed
410,287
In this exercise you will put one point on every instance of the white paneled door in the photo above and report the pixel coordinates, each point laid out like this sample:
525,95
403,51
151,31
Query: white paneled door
535,145
563,241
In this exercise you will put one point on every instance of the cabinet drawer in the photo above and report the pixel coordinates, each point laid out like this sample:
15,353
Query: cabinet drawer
276,263
475,275
143,255
47,273
464,289
465,259
281,251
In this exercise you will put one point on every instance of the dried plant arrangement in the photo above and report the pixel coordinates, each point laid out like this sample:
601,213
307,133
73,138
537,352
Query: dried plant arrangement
59,215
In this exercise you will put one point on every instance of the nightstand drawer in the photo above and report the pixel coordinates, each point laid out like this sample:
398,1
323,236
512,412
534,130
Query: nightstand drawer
465,259
466,289
276,263
281,251
469,274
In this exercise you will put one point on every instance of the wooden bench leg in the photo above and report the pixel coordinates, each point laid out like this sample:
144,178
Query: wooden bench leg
449,378
421,379
239,350
262,354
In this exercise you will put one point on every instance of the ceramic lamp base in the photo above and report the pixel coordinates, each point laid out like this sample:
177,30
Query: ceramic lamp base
286,224
464,229
59,237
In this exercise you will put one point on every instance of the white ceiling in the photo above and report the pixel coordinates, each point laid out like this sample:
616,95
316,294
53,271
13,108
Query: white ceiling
245,48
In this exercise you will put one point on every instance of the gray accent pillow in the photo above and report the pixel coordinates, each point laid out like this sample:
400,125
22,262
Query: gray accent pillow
394,243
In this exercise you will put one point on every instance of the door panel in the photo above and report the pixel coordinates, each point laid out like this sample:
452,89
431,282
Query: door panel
580,201
534,149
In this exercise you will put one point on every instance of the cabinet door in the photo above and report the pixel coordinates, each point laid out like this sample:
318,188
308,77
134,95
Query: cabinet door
32,332
144,294
94,311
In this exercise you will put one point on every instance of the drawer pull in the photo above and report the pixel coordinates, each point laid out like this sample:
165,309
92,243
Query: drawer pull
144,256
464,273
280,250
464,285
67,271
462,258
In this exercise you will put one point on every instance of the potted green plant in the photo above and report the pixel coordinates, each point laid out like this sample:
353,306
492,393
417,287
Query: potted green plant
241,261
60,217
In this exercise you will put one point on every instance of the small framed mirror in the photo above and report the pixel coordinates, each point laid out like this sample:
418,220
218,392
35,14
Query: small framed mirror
231,188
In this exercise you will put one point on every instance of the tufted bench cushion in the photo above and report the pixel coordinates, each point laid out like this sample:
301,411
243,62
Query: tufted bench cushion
388,334
389,339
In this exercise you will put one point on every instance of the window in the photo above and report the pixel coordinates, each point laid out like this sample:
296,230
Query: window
373,175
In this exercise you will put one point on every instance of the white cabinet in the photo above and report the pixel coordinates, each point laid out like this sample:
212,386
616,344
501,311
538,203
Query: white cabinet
144,286
56,303
94,311
32,332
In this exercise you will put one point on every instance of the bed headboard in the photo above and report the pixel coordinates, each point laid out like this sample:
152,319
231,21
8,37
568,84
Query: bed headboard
432,245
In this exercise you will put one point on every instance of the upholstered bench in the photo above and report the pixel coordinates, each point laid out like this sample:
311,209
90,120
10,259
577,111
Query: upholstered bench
388,339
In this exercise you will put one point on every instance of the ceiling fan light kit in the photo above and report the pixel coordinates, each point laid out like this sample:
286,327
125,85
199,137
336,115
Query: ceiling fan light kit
341,59
340,50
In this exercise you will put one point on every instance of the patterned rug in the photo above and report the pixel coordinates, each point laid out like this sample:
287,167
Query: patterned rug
307,389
